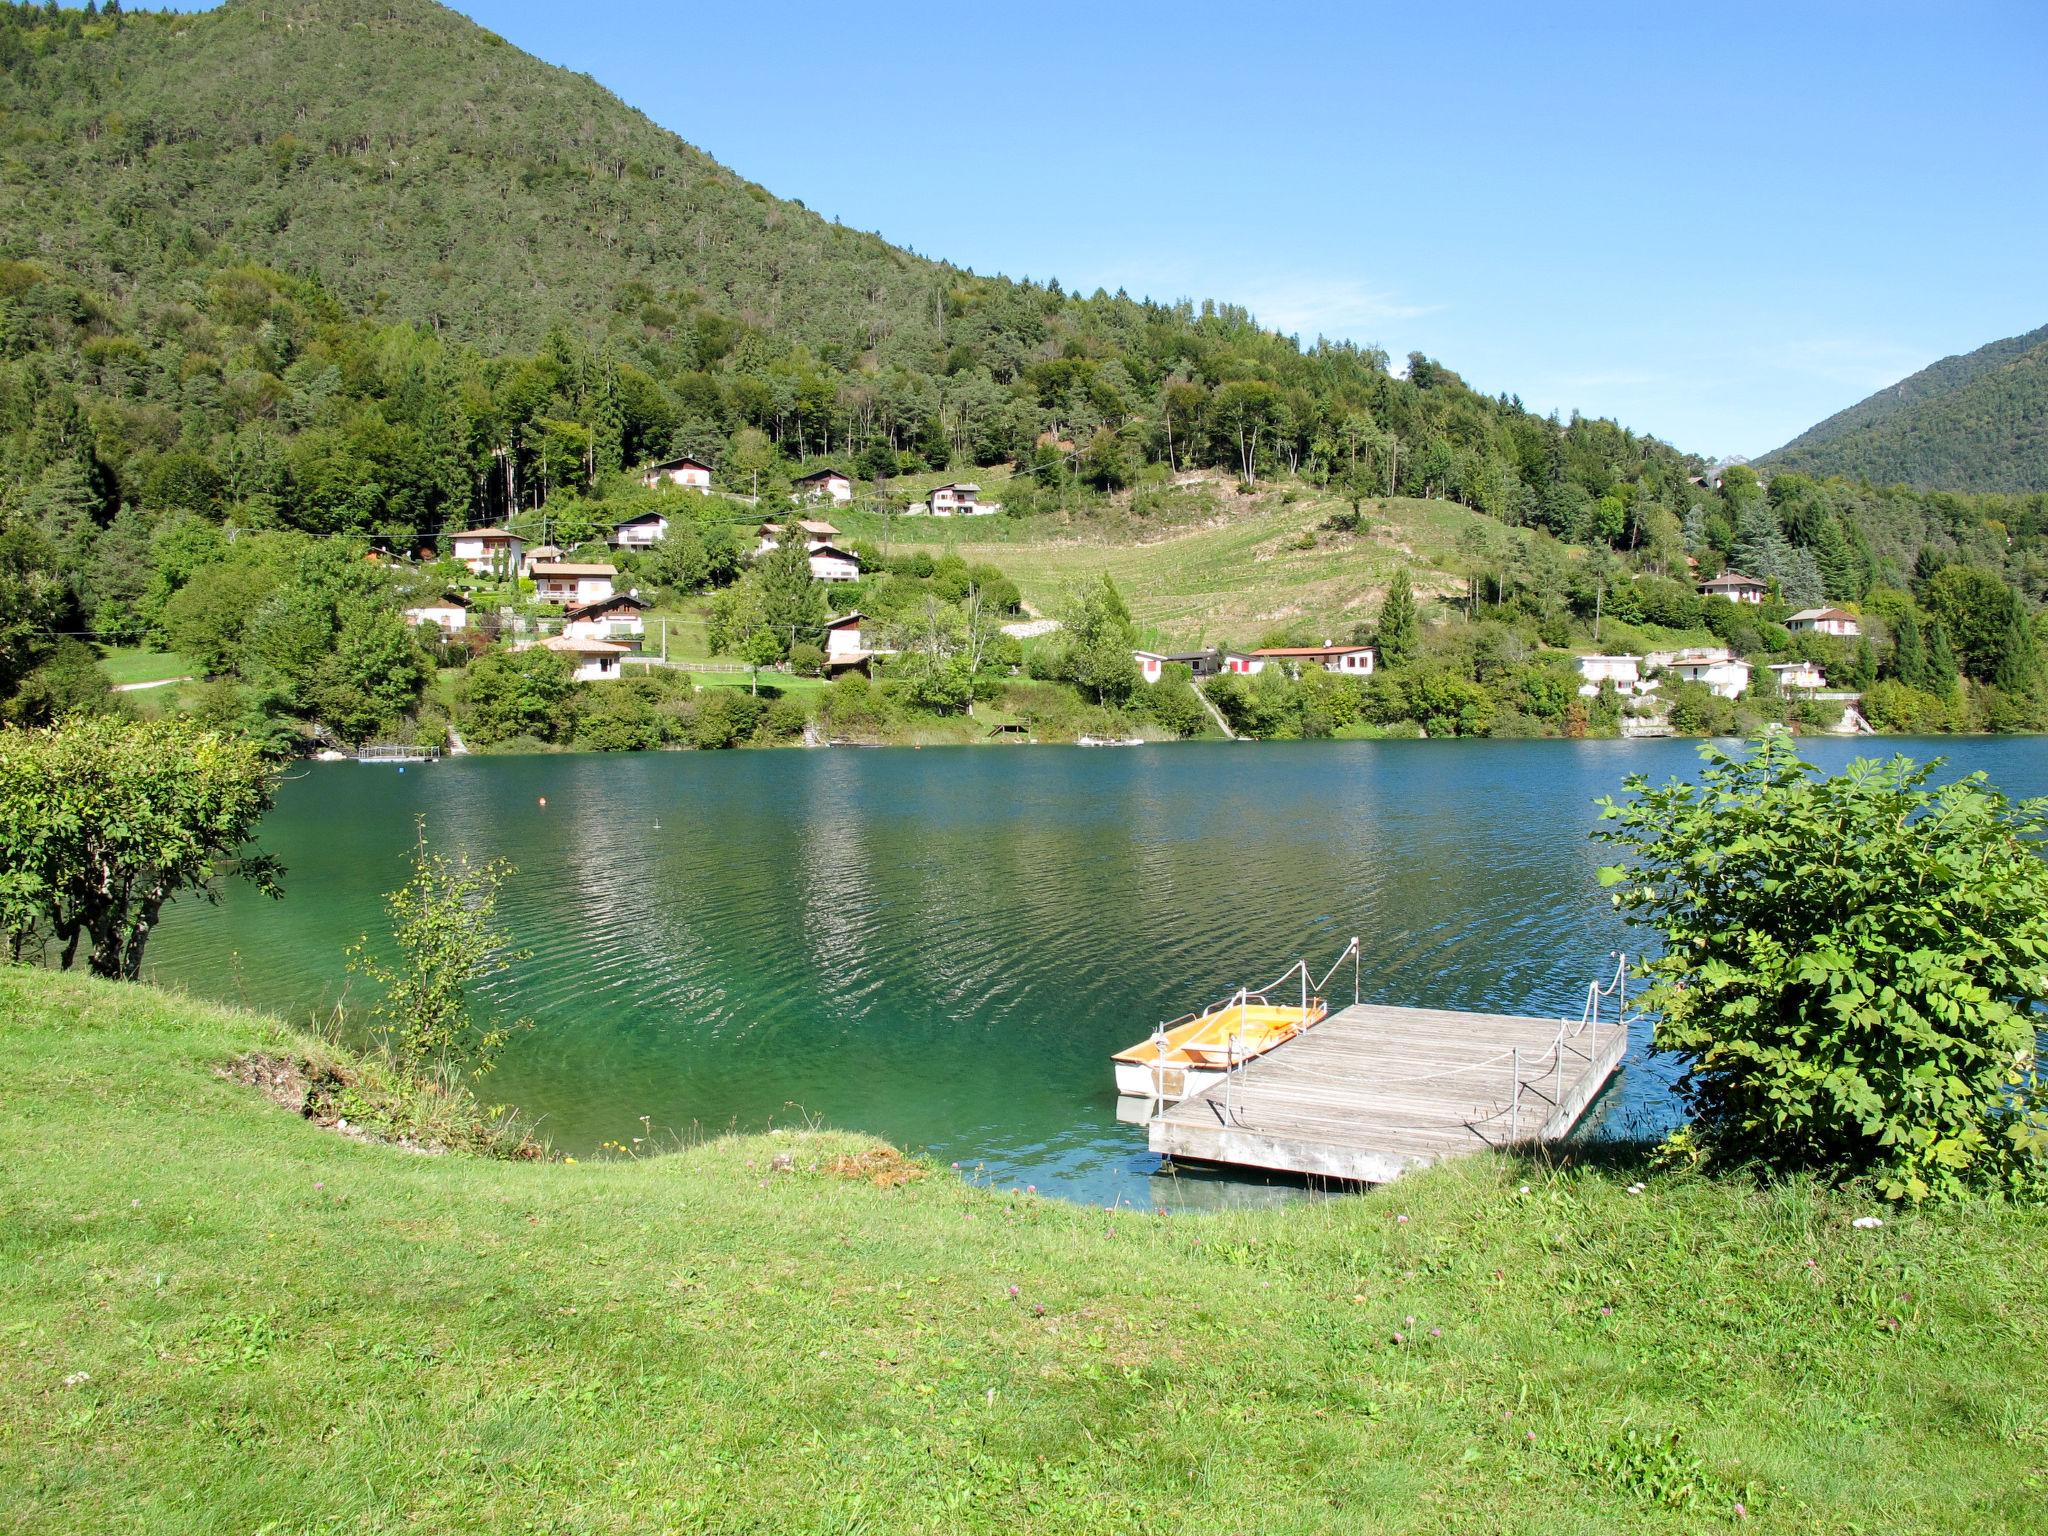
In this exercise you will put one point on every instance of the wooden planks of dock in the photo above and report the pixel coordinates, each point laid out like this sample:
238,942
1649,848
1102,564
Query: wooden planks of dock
1373,1091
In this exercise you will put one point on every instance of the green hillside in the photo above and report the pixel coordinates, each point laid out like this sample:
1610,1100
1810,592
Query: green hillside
222,1317
1977,422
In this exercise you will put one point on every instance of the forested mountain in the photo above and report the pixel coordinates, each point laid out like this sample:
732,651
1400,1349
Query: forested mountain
1977,422
356,271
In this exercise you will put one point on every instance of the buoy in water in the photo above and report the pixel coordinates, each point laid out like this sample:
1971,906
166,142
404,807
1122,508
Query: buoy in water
543,802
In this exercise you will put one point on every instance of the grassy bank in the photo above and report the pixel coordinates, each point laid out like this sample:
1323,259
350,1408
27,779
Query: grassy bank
220,1316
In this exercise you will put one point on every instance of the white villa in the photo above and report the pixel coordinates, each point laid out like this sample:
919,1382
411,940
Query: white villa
642,532
1624,672
617,617
1351,660
449,613
540,554
846,645
487,551
1824,621
1798,676
1152,665
574,586
1736,587
823,485
1716,666
691,474
596,660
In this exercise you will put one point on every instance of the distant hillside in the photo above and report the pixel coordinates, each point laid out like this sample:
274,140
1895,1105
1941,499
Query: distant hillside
421,166
1977,422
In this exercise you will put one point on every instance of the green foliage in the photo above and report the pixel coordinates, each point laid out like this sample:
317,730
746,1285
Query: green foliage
1398,634
1851,965
104,820
507,694
725,717
444,927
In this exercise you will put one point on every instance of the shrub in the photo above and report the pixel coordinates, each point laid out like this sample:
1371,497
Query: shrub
805,659
1850,964
785,718
725,717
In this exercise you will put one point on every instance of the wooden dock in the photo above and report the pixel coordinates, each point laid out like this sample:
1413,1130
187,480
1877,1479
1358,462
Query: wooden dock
1373,1091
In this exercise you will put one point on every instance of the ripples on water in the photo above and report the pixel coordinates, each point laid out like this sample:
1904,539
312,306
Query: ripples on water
942,947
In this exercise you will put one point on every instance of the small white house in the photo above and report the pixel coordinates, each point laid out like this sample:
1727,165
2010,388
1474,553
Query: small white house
1349,660
449,614
595,660
1824,621
642,532
1624,672
487,551
960,500
1736,587
1722,673
691,474
1152,665
540,554
618,617
815,534
823,485
829,563
1798,676
572,585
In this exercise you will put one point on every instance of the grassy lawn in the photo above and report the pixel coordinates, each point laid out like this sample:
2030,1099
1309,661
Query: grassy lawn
1259,563
221,1317
134,664
782,681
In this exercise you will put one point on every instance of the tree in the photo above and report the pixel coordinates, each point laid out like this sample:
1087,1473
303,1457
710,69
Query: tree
103,820
517,693
1976,611
1851,965
1399,636
1100,640
1909,652
444,926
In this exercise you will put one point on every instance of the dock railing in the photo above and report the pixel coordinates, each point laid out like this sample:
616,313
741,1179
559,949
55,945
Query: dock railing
1234,1054
1526,1078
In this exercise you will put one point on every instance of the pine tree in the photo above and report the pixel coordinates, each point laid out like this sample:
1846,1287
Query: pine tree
2016,666
1941,661
1399,633
1909,653
1837,565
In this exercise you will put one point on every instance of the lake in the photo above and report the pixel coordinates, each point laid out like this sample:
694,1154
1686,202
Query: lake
942,947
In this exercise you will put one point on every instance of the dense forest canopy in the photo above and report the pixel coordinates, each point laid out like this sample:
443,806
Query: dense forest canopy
358,271
1978,422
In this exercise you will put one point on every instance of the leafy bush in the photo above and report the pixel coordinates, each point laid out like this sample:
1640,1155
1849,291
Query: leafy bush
725,717
1851,964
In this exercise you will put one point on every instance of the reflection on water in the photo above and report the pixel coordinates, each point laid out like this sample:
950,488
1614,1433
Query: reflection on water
943,946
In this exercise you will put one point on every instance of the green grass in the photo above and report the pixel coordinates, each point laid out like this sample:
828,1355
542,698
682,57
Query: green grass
1253,564
133,664
219,1317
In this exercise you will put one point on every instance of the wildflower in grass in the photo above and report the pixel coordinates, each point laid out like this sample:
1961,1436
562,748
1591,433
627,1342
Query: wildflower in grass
1741,1510
1038,1309
1401,1221
1013,1293
1528,1434
1867,1223
1030,1189
1399,1340
1607,1311
1636,1189
1436,1333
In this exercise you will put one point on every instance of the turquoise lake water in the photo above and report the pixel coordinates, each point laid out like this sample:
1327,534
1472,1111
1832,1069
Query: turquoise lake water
942,947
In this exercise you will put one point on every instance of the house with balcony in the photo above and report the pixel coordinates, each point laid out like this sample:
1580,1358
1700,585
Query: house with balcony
448,613
1736,587
642,532
1825,621
823,485
620,617
573,584
595,661
492,552
688,473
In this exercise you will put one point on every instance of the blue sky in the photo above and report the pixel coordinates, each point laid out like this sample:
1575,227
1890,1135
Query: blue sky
1717,223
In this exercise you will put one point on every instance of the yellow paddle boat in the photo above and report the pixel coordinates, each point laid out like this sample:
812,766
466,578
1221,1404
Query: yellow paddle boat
1187,1055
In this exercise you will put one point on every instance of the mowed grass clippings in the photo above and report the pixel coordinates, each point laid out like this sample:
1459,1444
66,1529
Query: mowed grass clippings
219,1316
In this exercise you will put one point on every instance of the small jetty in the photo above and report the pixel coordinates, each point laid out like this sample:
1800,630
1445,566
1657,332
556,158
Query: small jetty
1373,1091
395,752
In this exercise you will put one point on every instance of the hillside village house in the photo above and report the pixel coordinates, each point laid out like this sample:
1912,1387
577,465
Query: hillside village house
823,485
449,613
1350,660
1798,676
540,554
691,474
960,500
1152,665
845,645
1736,587
487,551
1624,672
815,534
573,585
642,532
1715,666
618,617
594,660
831,564
1824,621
